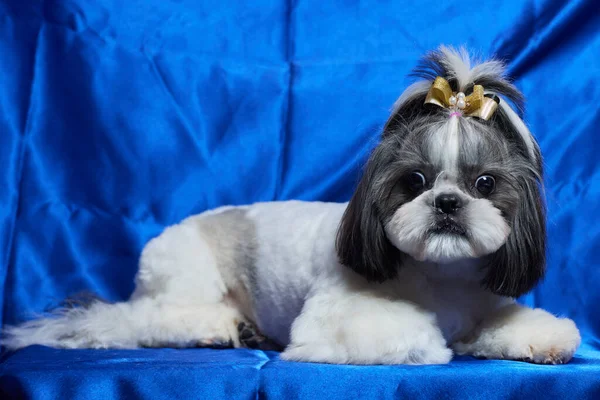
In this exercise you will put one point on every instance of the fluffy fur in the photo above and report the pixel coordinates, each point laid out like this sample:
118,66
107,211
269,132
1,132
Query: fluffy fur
403,273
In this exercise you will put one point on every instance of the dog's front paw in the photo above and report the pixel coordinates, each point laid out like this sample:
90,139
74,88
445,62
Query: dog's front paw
534,336
373,331
251,338
338,354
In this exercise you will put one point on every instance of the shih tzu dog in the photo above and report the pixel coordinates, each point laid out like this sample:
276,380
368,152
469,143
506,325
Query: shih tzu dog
445,229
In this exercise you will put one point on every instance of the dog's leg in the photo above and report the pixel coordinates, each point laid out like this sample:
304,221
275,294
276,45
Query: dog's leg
516,332
361,328
181,300
251,338
140,323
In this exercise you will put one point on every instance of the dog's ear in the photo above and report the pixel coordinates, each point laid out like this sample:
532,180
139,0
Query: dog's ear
361,242
521,262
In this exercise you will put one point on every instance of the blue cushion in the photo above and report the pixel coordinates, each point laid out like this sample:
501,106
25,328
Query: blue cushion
40,372
118,118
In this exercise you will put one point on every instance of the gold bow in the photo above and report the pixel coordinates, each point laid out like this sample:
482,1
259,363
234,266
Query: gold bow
473,105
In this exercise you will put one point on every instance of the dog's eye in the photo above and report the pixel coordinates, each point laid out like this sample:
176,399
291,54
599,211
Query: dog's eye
416,181
485,184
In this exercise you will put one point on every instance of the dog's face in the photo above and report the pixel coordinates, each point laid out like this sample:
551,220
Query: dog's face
452,189
443,188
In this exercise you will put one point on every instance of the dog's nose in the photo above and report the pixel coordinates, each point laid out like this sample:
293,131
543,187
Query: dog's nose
447,203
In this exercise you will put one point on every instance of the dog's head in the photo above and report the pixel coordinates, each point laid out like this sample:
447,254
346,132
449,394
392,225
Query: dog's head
443,186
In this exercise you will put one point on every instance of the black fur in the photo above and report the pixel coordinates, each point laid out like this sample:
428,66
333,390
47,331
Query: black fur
405,115
520,263
432,66
498,147
361,243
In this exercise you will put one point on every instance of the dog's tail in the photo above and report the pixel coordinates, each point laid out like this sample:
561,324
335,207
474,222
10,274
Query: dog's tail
143,321
98,325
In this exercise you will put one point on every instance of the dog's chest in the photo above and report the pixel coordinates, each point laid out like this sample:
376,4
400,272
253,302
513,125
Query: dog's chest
459,306
457,309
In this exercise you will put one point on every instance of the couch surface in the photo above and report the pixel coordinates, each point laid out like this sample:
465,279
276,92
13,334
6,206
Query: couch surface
118,118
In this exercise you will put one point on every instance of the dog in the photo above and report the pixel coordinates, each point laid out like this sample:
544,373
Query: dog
444,231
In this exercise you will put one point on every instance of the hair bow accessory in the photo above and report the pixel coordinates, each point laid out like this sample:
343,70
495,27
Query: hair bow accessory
475,105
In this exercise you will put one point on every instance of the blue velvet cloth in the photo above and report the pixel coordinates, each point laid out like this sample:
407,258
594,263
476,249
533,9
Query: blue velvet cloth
118,118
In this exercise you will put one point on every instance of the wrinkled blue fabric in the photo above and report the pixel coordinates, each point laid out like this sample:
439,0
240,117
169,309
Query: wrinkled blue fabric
118,118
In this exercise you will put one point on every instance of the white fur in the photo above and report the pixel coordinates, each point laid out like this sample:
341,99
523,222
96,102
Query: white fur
350,331
189,293
458,64
521,128
490,68
444,145
142,322
442,249
515,332
487,225
408,227
416,89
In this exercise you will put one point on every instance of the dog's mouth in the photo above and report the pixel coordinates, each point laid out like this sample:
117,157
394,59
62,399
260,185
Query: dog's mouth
448,226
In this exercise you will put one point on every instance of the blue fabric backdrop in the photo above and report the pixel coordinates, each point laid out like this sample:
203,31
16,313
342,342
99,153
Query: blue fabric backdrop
118,118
